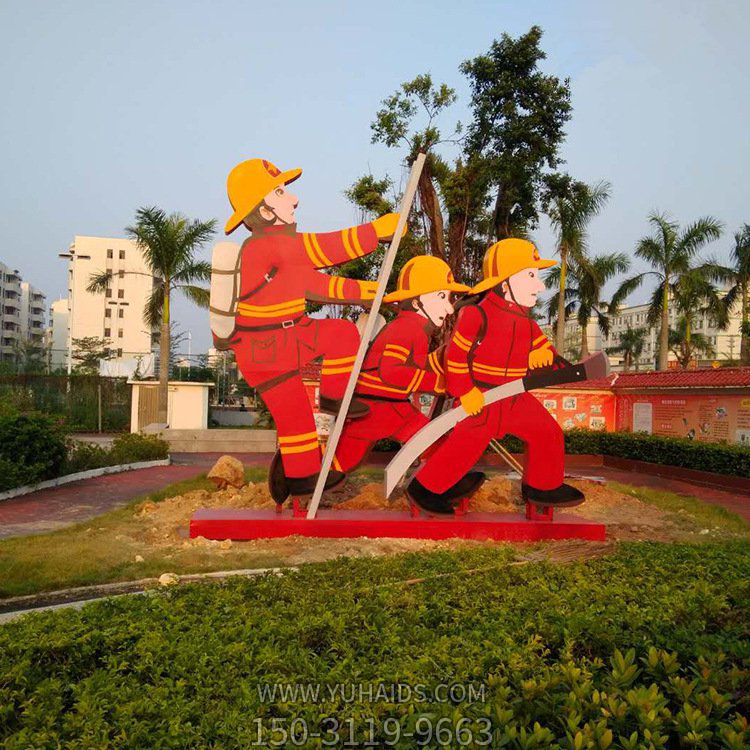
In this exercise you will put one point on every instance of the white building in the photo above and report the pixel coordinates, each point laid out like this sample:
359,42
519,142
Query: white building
22,316
117,314
57,334
726,343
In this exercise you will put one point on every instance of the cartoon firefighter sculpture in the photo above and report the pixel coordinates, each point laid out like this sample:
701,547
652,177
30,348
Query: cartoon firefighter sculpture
278,271
399,363
495,341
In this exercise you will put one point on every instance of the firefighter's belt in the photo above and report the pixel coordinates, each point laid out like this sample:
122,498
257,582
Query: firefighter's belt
271,326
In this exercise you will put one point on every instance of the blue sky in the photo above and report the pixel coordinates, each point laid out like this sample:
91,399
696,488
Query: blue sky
107,107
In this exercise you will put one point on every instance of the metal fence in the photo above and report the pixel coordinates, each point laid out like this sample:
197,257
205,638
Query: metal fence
88,403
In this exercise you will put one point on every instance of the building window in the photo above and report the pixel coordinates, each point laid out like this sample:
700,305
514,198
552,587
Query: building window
108,293
107,332
110,252
121,313
119,333
122,255
120,293
121,274
108,313
119,352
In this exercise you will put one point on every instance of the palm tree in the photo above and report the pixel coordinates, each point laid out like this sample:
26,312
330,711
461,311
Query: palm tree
632,341
738,275
671,254
168,243
583,291
685,345
570,206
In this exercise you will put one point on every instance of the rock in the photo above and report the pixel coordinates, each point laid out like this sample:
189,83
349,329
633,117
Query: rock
227,471
226,544
704,531
168,579
139,558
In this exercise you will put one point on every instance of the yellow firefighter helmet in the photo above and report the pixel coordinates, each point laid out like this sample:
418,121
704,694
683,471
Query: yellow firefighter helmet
422,275
251,181
507,257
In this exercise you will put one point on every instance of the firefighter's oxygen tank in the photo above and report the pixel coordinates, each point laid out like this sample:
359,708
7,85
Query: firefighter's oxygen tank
225,283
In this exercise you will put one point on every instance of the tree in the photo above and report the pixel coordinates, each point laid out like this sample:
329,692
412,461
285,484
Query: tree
517,127
169,244
738,275
392,126
89,351
570,206
583,294
686,345
672,254
632,341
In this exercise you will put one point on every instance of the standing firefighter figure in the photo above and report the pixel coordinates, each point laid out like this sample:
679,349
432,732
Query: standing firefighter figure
399,363
495,341
273,338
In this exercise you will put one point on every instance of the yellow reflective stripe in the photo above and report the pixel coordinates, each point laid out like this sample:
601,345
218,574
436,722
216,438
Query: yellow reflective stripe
277,306
538,339
435,362
336,287
397,348
457,365
297,438
311,251
300,448
336,370
319,249
396,355
271,311
337,464
462,339
415,386
369,377
461,344
355,239
378,386
339,361
345,239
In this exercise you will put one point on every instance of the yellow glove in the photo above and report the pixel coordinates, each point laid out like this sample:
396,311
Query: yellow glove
540,358
473,401
385,226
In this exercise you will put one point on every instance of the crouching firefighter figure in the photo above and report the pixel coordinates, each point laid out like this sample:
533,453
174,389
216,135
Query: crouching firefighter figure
399,363
273,337
494,341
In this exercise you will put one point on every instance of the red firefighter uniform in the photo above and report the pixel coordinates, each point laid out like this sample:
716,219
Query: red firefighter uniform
274,338
493,342
397,365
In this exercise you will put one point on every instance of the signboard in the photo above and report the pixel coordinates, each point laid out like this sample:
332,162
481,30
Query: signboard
591,410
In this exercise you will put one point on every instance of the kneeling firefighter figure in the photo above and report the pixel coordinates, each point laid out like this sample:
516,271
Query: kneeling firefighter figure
399,364
272,337
494,341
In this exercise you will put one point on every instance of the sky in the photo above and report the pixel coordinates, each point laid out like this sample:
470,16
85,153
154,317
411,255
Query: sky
107,107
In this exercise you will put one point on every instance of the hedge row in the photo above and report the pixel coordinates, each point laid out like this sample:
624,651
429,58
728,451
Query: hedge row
658,449
646,649
35,447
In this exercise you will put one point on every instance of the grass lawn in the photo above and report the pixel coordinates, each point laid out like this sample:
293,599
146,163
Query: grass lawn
648,647
103,550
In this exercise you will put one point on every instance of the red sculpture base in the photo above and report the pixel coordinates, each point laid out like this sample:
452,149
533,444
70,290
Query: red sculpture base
535,525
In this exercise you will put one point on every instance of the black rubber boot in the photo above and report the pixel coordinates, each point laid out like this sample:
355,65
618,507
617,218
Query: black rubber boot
357,408
306,485
562,496
280,487
429,501
277,484
466,486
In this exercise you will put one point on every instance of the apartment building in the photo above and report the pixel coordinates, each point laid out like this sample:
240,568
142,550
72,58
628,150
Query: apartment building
22,316
116,314
726,343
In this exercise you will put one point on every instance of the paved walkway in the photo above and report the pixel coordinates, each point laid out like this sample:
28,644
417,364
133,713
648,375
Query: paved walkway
48,510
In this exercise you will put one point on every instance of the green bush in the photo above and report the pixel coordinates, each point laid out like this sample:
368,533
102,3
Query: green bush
126,449
32,448
690,454
647,648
